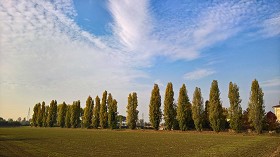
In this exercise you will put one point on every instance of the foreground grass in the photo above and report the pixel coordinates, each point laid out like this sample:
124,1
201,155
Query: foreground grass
27,141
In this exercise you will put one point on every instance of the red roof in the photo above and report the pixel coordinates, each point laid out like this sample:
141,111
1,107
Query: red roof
276,106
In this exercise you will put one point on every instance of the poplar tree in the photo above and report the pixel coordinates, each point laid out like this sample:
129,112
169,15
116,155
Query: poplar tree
40,116
183,116
235,110
75,114
169,111
95,117
62,109
197,109
43,114
103,111
215,108
132,112
88,112
112,112
68,116
45,121
155,113
256,107
52,115
35,115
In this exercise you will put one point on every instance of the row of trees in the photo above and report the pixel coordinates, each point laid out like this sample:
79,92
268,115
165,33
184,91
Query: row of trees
96,115
183,115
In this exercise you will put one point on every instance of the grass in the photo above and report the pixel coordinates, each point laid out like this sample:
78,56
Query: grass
27,141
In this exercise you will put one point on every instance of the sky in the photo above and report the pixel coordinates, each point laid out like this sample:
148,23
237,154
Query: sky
67,50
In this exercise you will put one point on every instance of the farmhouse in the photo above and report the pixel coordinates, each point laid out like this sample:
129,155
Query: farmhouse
277,111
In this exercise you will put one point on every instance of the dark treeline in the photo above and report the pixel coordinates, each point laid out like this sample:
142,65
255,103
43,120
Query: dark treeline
183,115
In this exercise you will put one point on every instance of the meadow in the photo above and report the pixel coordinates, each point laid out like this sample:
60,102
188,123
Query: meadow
28,141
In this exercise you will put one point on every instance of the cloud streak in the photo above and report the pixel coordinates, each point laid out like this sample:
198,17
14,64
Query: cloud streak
199,74
271,83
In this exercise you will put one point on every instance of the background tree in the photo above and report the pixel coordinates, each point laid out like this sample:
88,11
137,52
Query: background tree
68,116
95,117
35,115
121,119
75,114
215,108
114,114
245,120
235,110
52,115
155,113
197,109
103,111
175,124
206,123
62,109
88,112
184,109
256,107
270,121
169,111
132,112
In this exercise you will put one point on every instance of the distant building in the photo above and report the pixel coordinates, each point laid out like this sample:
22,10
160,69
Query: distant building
277,111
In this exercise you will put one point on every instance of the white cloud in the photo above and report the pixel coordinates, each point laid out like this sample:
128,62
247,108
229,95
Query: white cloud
270,27
271,83
198,74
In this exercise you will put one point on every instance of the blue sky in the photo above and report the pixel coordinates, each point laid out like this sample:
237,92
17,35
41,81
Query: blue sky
67,50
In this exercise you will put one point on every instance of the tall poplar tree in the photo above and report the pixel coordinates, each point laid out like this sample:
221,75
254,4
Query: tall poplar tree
112,112
68,116
96,110
132,112
184,116
88,112
43,114
62,109
52,115
75,114
35,115
256,107
40,116
45,120
235,110
103,111
215,108
114,115
197,109
155,113
169,111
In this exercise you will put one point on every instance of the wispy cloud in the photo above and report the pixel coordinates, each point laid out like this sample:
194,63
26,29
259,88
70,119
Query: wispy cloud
270,27
271,83
199,74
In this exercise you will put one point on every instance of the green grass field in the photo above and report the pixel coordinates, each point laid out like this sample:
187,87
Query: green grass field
27,141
